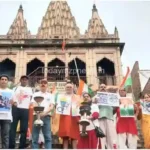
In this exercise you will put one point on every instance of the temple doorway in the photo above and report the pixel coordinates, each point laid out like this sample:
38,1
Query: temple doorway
35,70
56,70
106,71
73,71
8,67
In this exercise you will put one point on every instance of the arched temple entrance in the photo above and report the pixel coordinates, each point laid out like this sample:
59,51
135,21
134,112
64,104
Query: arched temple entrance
56,70
73,72
106,71
8,67
35,69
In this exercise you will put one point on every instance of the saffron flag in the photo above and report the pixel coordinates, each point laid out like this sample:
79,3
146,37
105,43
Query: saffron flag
83,87
63,45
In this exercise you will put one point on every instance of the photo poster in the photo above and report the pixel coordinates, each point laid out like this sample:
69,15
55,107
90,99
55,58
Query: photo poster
126,107
5,98
108,99
145,107
63,105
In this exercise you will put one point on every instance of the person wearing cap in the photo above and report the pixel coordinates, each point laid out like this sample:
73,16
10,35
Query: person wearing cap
88,138
6,96
106,122
126,128
48,104
20,112
68,123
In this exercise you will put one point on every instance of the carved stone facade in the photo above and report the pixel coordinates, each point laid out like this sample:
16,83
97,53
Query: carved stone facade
96,27
18,29
58,24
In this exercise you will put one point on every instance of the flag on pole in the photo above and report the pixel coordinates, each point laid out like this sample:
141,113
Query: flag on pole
63,45
125,78
83,87
128,81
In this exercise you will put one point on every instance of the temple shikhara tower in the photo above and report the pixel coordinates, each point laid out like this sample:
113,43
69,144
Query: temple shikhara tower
96,52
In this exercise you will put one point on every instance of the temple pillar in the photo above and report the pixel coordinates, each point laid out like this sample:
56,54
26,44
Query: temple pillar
45,66
89,66
116,68
94,79
17,68
119,65
66,65
20,63
24,69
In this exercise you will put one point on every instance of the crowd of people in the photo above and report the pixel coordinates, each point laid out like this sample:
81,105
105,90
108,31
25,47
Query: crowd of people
119,134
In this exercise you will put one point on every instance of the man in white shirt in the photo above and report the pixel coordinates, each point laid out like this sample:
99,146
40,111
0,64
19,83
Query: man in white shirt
20,112
48,104
5,110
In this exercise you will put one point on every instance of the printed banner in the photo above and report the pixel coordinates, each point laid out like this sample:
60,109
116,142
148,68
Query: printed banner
65,106
75,110
107,99
145,107
126,107
5,98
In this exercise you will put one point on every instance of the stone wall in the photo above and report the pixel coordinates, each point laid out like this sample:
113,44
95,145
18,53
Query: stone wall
136,80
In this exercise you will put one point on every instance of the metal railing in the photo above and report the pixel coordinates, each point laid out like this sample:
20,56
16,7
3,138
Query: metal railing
35,78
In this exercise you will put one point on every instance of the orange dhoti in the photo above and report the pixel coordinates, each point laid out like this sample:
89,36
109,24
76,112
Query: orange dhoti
146,130
30,118
69,127
55,124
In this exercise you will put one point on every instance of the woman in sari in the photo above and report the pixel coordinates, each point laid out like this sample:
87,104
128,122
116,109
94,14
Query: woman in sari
145,120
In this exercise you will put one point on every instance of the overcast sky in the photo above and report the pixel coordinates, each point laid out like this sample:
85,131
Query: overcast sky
132,19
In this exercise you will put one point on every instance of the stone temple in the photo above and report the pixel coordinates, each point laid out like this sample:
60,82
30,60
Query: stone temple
96,52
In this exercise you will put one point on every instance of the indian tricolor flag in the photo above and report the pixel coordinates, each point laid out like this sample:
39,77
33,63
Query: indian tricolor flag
127,81
83,87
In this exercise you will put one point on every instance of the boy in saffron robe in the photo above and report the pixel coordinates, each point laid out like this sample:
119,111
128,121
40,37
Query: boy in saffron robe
91,141
68,124
126,128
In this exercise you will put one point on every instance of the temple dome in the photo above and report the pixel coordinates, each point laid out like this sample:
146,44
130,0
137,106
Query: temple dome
18,29
96,28
58,22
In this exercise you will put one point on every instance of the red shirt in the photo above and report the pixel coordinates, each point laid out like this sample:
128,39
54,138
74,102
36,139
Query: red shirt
126,125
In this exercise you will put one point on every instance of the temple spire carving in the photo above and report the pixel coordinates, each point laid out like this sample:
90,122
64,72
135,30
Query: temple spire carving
18,29
58,22
96,28
116,33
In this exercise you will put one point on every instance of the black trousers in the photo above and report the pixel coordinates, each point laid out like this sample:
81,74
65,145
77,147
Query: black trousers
5,127
22,115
